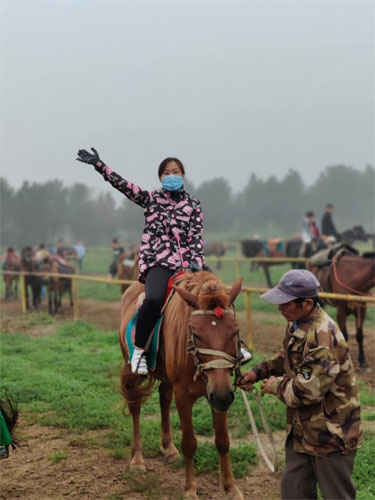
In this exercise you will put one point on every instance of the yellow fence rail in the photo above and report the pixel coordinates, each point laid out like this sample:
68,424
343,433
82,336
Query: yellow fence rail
96,279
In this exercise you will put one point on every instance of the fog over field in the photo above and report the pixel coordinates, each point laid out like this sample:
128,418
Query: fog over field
232,88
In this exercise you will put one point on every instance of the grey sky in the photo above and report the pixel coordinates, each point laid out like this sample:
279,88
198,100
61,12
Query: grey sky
231,88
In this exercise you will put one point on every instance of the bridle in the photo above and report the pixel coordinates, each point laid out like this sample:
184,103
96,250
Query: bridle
227,361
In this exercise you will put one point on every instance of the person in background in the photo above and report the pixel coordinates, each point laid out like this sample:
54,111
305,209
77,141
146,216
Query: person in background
60,247
41,254
310,231
117,250
328,227
81,252
313,376
171,240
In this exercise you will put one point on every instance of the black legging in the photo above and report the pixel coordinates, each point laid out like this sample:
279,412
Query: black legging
155,287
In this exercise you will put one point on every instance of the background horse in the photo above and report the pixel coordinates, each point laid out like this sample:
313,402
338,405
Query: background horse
127,267
56,286
214,248
11,262
349,274
189,315
290,248
29,265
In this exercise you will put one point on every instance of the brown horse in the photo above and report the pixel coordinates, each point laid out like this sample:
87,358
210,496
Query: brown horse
214,248
29,264
349,274
213,339
11,262
127,268
56,286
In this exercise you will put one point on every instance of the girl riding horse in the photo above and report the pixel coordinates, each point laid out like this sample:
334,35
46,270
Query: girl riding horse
172,238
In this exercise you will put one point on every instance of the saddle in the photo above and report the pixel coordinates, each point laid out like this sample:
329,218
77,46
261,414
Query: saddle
325,257
273,248
323,262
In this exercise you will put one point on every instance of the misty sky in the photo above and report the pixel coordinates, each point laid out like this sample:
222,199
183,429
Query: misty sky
230,88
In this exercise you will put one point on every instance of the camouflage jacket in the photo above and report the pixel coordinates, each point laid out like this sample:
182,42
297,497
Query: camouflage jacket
316,380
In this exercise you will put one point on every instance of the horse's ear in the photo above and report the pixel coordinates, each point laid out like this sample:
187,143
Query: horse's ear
235,290
188,297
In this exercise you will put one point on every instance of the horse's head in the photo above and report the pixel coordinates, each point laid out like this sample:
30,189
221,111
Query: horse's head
214,339
27,256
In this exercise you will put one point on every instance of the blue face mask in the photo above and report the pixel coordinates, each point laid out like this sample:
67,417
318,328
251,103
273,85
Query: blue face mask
172,182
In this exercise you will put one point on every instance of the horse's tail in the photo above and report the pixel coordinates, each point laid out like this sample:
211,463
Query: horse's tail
134,388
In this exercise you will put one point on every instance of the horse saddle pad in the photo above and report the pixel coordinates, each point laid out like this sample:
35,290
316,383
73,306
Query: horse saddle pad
152,351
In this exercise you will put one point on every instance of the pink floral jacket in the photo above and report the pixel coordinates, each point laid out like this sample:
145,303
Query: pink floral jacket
172,234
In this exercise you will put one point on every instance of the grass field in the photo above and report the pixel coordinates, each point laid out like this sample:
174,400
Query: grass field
70,379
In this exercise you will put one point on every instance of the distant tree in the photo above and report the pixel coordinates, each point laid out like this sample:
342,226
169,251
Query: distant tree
81,214
216,199
7,223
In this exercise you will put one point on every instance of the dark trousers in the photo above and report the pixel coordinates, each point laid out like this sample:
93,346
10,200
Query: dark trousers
302,473
156,288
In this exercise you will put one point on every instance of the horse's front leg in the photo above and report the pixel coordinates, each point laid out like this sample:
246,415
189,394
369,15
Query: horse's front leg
184,405
165,398
361,316
222,446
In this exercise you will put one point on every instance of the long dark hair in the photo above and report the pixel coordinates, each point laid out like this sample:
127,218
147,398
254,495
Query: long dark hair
165,162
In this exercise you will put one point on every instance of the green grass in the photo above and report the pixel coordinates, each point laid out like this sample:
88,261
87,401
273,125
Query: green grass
57,457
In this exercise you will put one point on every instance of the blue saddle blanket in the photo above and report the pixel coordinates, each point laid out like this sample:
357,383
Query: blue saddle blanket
154,345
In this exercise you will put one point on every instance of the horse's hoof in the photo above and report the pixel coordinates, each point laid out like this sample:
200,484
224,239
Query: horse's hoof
138,468
190,495
170,455
234,494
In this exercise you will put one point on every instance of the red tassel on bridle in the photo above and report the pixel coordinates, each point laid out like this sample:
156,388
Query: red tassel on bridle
219,312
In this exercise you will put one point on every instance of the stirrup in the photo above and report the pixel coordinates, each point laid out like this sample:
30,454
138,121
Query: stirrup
247,356
139,364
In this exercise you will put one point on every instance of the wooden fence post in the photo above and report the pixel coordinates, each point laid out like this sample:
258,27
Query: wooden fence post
248,320
23,292
237,268
75,300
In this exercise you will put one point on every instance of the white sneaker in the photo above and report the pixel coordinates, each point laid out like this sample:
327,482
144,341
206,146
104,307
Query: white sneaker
247,356
139,360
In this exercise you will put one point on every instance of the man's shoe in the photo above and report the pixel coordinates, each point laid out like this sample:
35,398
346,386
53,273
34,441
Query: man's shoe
138,362
247,356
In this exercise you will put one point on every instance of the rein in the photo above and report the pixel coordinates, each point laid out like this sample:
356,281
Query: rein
230,362
226,361
347,287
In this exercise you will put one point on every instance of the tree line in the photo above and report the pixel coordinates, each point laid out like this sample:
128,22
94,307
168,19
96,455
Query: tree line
43,212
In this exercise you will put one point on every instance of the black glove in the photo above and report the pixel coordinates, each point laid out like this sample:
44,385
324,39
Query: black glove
206,268
86,157
194,267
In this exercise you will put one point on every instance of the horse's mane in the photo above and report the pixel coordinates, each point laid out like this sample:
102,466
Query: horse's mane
212,293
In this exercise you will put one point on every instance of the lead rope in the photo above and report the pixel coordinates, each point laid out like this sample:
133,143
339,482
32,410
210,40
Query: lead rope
273,467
